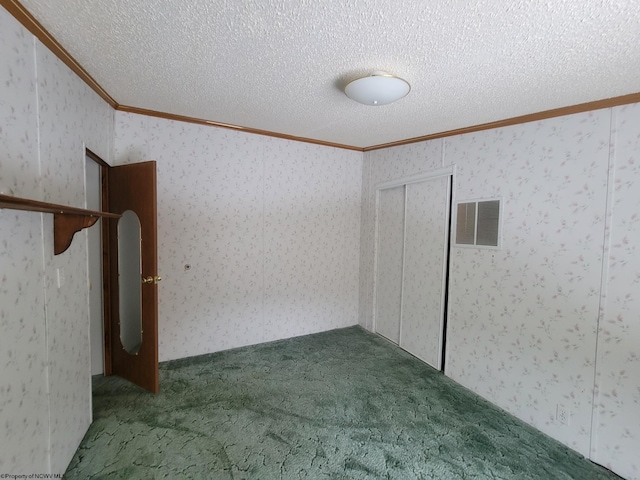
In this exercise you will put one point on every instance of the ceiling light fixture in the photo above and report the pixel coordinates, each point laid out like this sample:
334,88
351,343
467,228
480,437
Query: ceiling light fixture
378,88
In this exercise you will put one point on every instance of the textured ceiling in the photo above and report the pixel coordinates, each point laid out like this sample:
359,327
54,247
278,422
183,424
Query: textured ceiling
280,65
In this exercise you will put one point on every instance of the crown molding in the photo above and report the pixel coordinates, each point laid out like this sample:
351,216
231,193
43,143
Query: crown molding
15,8
211,123
532,117
21,14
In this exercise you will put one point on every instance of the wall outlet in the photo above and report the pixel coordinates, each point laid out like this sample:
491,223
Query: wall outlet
563,415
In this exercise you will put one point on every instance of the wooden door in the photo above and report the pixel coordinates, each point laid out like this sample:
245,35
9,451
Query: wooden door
133,188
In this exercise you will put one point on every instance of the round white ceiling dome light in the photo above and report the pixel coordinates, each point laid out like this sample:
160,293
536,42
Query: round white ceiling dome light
378,88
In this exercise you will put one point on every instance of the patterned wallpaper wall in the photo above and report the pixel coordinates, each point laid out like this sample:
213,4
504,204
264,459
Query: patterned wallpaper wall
46,120
72,116
270,228
616,422
23,378
279,237
524,320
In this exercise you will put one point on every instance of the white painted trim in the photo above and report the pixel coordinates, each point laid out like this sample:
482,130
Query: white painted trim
376,248
449,171
420,177
404,251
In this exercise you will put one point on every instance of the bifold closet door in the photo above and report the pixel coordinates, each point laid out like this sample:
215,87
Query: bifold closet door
425,257
389,262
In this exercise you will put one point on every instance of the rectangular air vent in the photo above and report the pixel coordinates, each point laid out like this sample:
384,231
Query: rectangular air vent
478,223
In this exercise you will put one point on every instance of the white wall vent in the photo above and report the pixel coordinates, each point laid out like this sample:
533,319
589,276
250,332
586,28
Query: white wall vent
478,223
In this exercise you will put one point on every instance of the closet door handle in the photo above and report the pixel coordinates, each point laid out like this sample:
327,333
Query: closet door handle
147,279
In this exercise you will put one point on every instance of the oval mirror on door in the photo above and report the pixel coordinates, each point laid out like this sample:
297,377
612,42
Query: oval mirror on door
130,281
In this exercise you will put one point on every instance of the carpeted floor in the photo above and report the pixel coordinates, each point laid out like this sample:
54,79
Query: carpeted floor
344,404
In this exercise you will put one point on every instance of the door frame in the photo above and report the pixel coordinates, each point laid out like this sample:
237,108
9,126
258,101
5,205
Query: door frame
106,258
108,281
450,172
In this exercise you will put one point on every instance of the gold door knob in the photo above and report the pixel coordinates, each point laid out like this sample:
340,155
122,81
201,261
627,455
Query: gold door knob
157,278
147,279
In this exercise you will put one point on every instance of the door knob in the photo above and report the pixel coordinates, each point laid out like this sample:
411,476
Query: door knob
156,279
147,279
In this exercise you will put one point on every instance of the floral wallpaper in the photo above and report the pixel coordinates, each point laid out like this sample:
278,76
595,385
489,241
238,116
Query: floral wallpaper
23,379
548,319
71,116
45,391
263,238
268,228
523,319
616,441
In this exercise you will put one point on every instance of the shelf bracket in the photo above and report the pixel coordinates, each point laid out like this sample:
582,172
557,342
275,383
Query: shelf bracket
66,220
65,226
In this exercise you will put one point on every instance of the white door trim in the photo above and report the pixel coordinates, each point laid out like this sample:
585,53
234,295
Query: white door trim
417,178
449,171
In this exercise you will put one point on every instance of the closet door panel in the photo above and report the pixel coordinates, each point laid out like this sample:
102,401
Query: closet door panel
426,246
389,262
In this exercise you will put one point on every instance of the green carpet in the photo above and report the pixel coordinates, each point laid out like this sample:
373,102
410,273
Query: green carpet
344,404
